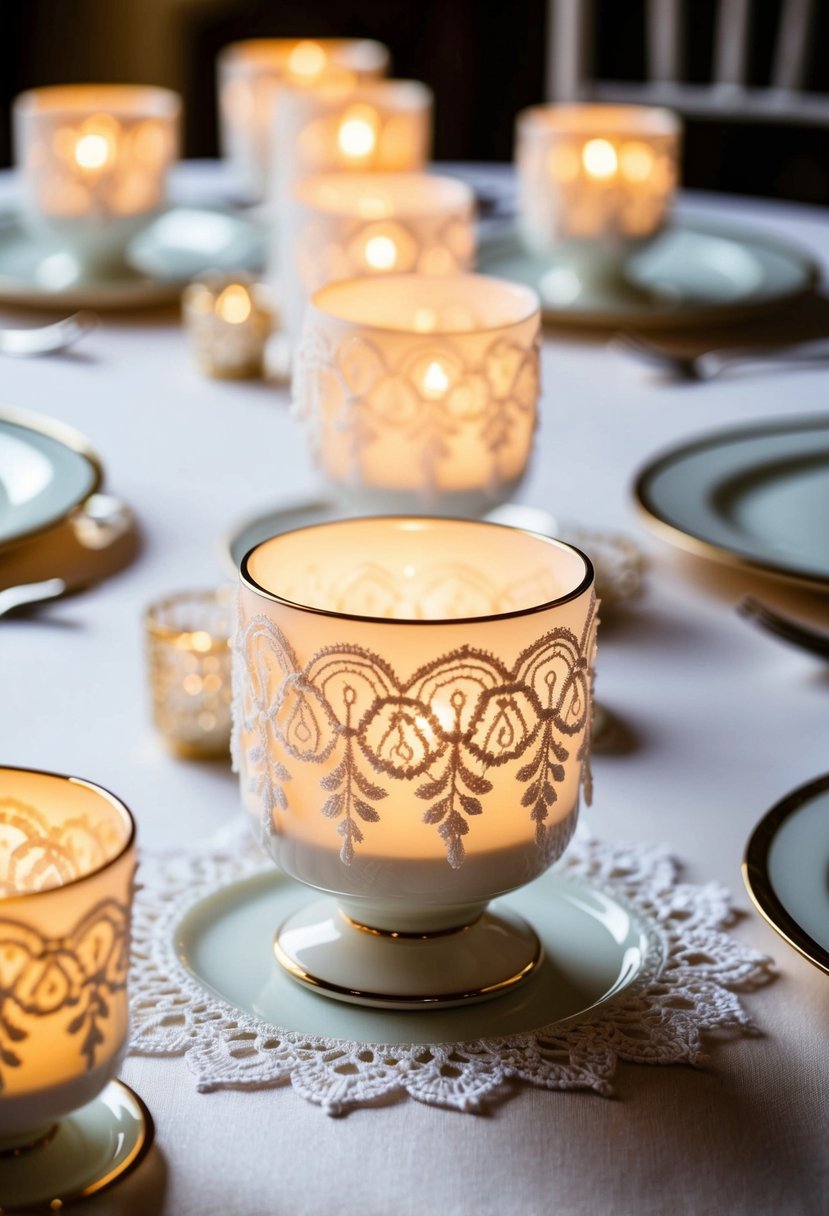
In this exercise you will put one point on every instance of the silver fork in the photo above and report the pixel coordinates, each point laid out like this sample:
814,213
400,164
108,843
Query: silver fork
711,362
26,595
46,339
785,627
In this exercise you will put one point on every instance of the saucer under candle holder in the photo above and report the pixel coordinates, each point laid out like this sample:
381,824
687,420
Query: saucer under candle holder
67,860
595,184
412,719
189,659
249,76
229,320
94,162
345,225
420,393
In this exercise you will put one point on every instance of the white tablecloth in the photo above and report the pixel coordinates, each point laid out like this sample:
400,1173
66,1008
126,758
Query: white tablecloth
725,721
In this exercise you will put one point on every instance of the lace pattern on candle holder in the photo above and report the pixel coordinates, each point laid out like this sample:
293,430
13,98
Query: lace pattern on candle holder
352,389
73,977
347,708
424,247
36,855
687,990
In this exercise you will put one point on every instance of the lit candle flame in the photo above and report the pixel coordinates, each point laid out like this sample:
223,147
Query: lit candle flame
381,253
435,381
306,60
233,304
92,151
599,158
357,136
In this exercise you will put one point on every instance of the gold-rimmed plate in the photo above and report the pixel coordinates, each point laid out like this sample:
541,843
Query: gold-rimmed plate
696,272
46,471
786,870
756,497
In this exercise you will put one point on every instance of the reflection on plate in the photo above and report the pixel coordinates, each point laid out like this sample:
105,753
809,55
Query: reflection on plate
594,947
89,1150
756,497
38,273
618,562
786,870
186,241
693,273
46,471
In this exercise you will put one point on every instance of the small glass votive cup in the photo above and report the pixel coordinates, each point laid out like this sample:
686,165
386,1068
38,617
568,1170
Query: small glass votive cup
345,225
94,162
189,659
67,860
249,76
595,179
413,719
420,393
229,320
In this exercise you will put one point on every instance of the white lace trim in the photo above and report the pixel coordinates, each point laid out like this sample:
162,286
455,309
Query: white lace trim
687,990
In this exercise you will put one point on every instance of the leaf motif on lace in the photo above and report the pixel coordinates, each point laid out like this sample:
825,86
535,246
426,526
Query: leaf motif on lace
76,974
447,724
688,988
362,393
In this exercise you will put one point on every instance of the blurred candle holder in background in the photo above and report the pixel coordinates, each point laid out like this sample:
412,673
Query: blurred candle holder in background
342,226
229,321
420,393
249,76
188,653
413,707
94,162
67,860
595,182
380,126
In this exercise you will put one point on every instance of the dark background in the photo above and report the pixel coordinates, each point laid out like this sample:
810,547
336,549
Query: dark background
484,61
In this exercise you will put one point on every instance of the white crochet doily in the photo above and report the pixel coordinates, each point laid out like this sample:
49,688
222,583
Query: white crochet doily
687,989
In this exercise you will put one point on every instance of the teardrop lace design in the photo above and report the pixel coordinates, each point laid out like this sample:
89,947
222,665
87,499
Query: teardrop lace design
689,988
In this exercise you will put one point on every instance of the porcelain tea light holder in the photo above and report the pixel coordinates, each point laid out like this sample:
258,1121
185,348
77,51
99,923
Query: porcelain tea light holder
67,860
250,74
419,394
346,225
413,701
595,184
94,162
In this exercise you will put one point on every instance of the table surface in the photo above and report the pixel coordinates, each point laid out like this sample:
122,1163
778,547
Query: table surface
722,723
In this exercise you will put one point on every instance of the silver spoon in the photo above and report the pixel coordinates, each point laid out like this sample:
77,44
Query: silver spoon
785,627
46,339
26,595
711,362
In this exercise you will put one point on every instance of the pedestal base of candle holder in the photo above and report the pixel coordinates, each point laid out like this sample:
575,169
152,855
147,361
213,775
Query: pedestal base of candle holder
328,951
84,1153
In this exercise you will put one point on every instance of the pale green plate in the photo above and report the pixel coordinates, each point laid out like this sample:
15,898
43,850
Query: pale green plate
693,273
595,949
183,242
756,497
786,870
90,1150
46,470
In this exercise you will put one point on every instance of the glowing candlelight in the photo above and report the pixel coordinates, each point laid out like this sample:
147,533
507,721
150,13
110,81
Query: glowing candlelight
251,75
595,173
347,225
420,392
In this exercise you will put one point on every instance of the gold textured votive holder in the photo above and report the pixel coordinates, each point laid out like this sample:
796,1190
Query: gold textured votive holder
229,320
188,652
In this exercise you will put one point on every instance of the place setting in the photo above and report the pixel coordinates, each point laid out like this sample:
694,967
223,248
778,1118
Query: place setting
94,227
392,695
